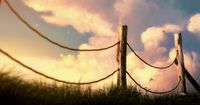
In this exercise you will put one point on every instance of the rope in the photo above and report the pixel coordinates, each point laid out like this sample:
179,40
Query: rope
154,91
48,39
46,76
164,67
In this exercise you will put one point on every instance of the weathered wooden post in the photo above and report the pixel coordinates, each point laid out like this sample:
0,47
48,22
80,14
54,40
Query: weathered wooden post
122,57
180,62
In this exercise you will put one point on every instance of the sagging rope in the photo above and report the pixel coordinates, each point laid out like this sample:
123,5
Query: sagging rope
154,92
156,67
46,76
48,39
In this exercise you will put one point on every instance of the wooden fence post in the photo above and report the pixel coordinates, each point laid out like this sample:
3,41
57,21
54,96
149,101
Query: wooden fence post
123,51
180,62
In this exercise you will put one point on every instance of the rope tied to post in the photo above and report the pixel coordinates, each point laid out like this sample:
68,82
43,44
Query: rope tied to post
156,67
52,78
154,92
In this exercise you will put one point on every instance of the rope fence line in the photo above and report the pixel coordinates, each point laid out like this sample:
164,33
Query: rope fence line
65,47
156,67
48,39
154,92
13,10
46,76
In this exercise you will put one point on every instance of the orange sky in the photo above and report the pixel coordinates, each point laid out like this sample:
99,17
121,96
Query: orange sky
92,24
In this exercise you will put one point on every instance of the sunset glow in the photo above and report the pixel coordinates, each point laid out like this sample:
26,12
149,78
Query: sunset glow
94,24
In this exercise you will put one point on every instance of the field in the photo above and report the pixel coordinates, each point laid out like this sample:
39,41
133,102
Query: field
14,91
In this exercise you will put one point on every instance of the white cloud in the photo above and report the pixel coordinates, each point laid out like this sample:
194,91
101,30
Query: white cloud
80,18
194,23
154,36
172,28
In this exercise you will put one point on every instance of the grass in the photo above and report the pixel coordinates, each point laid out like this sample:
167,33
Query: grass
14,91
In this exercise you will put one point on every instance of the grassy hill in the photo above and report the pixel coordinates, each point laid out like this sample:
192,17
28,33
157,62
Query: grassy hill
14,91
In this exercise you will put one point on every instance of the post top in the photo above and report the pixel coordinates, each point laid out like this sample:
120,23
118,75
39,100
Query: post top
125,27
178,39
177,36
178,33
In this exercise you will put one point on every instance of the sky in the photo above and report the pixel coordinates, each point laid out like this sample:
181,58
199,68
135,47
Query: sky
94,24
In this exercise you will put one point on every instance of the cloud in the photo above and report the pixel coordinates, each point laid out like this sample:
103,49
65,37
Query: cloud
154,36
172,28
65,12
194,25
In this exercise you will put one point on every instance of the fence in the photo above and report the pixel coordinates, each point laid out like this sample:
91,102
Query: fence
121,59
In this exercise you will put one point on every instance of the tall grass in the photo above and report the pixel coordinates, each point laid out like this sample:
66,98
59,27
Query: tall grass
14,91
